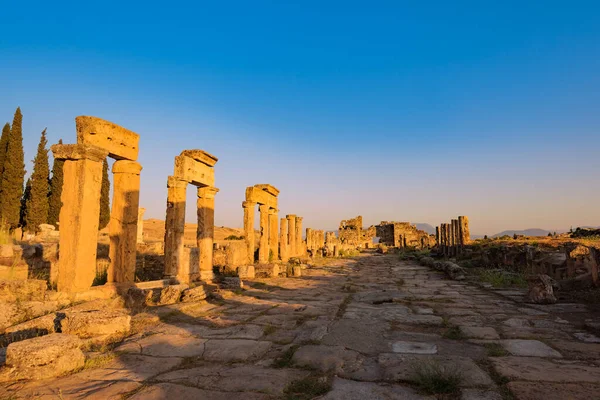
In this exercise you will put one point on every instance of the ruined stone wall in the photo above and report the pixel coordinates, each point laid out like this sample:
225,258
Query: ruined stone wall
351,233
403,234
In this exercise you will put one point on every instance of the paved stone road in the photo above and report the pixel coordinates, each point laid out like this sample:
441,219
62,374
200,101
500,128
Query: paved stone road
361,325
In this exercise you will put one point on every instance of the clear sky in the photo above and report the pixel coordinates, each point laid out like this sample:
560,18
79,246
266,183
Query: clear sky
409,111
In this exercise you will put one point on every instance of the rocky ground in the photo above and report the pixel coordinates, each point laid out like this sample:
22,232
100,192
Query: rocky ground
374,327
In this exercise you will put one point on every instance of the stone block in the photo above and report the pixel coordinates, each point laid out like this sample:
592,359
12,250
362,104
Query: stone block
137,298
17,272
90,323
200,156
193,171
236,253
23,290
540,290
121,143
193,294
44,357
246,271
171,294
232,283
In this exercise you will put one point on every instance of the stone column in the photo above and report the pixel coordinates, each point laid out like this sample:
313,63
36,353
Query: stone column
123,229
263,249
249,228
463,224
291,235
205,234
437,235
283,247
78,242
299,245
140,225
174,225
445,238
309,241
273,234
454,235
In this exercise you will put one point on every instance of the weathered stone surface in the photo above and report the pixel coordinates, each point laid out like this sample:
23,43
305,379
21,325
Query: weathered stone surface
121,143
587,337
165,346
171,294
235,350
334,359
205,232
89,323
479,332
343,389
479,394
44,357
414,348
231,282
193,294
543,370
24,290
170,391
529,348
136,298
246,271
554,391
540,290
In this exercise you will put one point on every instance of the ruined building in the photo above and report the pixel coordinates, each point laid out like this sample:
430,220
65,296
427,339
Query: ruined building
351,233
403,234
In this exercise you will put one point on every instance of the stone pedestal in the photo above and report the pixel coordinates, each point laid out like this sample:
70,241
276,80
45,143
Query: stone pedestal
291,235
249,229
174,225
205,233
140,225
82,178
263,250
273,237
123,221
299,245
283,246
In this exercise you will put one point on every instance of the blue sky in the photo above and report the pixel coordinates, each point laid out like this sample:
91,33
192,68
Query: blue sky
412,111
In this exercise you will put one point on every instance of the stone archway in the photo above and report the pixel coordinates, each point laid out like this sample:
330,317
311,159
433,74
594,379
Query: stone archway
195,167
265,196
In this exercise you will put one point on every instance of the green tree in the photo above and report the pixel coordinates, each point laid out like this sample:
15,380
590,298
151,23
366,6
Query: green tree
104,197
56,184
3,144
24,201
37,205
13,174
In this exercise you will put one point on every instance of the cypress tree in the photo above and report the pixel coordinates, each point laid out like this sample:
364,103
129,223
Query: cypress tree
104,197
13,174
37,205
3,144
56,184
24,202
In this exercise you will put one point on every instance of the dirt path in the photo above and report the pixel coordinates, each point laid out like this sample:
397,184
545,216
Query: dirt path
352,329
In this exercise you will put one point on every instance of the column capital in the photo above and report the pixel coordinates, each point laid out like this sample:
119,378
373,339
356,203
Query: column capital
126,167
291,216
173,182
263,208
248,204
78,152
207,192
273,211
299,219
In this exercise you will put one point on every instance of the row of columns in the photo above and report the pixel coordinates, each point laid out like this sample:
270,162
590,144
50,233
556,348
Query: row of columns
452,237
268,249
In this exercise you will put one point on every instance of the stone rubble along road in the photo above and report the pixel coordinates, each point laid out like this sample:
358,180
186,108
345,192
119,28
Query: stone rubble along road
360,325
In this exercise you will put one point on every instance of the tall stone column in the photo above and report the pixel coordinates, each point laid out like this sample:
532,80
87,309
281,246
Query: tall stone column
124,215
273,234
263,249
78,242
465,236
299,244
437,235
309,243
291,235
249,228
174,225
444,236
453,235
140,225
205,233
283,246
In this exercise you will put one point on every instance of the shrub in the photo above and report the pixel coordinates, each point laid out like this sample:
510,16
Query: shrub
434,378
234,237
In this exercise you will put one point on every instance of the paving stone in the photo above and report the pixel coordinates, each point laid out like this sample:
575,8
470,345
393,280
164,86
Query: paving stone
529,348
554,391
577,350
343,389
165,346
229,350
414,348
327,358
479,332
170,391
544,370
480,394
586,337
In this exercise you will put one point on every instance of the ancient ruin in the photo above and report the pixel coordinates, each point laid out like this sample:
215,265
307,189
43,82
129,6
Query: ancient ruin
403,234
453,237
352,233
195,167
265,196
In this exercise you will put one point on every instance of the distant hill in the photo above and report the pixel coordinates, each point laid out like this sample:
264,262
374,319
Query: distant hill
525,232
426,227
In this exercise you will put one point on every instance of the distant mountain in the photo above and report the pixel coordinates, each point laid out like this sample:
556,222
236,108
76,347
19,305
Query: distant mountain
426,227
525,232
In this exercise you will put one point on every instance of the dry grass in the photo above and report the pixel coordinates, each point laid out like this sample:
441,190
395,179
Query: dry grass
433,378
